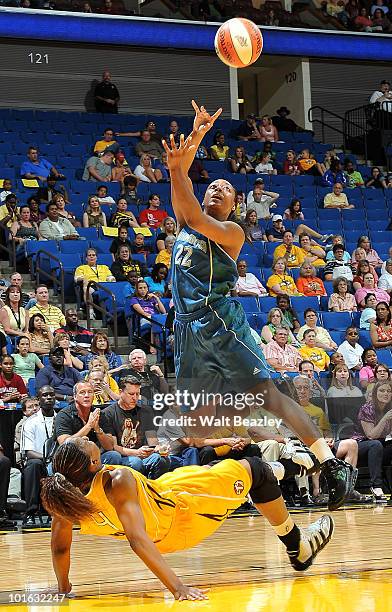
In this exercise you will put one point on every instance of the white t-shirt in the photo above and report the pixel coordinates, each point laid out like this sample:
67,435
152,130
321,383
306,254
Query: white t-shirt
352,354
139,173
264,168
262,208
387,106
385,281
35,431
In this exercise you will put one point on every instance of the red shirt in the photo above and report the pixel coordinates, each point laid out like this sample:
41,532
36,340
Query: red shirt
16,383
153,217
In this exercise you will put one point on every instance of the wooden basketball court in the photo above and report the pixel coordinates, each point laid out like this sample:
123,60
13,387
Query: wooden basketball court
244,566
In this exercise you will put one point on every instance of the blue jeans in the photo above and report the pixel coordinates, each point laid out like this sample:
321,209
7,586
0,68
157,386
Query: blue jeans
152,467
186,456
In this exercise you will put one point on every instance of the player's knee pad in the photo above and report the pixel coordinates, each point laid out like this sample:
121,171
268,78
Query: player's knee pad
265,487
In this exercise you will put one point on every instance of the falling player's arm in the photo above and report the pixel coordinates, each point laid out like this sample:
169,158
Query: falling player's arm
122,493
61,552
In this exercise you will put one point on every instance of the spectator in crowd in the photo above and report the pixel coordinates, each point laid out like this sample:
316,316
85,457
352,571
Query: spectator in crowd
174,130
248,284
38,167
124,264
248,129
103,197
376,179
372,256
275,233
100,364
12,386
382,96
156,282
53,316
289,315
106,95
197,173
336,359
35,213
150,126
368,315
145,172
79,337
41,338
385,281
29,406
100,347
323,339
148,146
14,319
342,383
129,190
59,376
308,283
261,201
264,165
122,216
46,193
306,368
337,199
162,165
381,374
353,176
290,164
168,228
369,287
55,227
268,131
374,426
134,432
253,231
164,256
363,23
282,123
294,211
281,355
78,420
99,168
91,271
291,253
121,169
152,216
317,415
108,143
380,22
36,432
59,200
351,349
17,279
308,165
7,189
381,329
366,373
338,267
276,320
219,150
25,362
146,305
341,300
71,361
280,282
94,216
182,448
103,394
239,201
9,210
311,251
121,240
23,229
363,267
151,378
138,246
337,239
239,162
335,174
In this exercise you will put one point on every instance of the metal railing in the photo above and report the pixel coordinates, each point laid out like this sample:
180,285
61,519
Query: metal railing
39,271
112,314
11,248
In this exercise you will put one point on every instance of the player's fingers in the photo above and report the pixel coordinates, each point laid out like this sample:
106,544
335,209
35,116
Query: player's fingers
173,143
216,115
182,141
166,147
196,108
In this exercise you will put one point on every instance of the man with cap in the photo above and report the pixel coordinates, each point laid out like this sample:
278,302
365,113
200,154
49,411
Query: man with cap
248,129
282,123
276,232
61,378
260,200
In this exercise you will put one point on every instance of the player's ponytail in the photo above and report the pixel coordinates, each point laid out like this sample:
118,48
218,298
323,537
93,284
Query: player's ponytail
60,493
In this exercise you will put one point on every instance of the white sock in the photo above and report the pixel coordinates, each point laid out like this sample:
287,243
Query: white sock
322,451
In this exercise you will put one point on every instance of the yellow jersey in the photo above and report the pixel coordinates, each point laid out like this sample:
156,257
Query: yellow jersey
180,508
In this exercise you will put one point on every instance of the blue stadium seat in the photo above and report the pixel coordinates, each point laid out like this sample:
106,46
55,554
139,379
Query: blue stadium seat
74,246
336,320
118,290
266,303
105,259
89,233
303,302
385,356
249,304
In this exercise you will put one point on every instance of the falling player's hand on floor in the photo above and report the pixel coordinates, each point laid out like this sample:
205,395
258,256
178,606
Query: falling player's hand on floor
192,593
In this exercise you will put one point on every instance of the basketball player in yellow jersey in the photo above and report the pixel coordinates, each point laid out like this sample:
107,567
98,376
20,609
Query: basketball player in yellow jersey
174,512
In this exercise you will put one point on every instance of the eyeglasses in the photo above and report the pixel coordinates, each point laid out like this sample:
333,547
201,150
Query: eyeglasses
353,333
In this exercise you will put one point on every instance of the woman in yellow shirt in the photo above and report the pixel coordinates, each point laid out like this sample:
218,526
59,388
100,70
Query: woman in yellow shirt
281,283
312,353
164,256
90,271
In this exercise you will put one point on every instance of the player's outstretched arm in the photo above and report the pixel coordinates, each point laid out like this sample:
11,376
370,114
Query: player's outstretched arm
123,495
61,550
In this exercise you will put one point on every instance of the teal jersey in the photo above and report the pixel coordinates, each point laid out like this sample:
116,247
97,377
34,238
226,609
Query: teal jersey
202,272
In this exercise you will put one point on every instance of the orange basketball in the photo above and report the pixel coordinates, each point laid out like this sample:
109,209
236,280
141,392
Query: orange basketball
238,42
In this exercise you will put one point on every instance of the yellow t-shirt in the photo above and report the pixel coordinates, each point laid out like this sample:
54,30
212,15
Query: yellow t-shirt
316,355
285,282
331,200
294,260
164,257
99,274
317,415
53,316
316,262
101,145
4,212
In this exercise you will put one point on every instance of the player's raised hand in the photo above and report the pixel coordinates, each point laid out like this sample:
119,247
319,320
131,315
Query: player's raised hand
177,155
203,121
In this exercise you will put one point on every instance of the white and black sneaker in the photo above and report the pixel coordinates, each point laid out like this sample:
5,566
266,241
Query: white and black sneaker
313,540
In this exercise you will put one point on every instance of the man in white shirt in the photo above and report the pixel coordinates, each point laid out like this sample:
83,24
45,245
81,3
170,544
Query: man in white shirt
55,227
37,429
261,201
383,96
385,280
351,350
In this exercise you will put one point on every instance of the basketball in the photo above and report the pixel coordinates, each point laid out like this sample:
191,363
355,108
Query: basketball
238,42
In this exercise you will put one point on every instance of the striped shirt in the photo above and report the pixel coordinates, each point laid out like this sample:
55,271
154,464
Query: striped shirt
53,316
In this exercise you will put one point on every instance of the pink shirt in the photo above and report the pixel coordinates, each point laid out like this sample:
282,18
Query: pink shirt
366,373
381,295
250,282
372,257
289,356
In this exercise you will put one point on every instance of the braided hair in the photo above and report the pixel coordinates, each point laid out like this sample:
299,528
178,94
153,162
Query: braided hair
61,492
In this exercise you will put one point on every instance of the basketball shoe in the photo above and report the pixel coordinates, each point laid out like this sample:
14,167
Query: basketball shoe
313,539
341,478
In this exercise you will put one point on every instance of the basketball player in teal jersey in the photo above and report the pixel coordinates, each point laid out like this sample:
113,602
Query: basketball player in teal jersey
214,349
